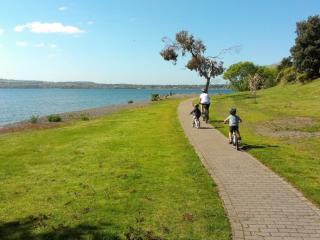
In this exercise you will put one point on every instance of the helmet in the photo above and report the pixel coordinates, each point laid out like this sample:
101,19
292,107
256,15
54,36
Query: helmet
232,111
197,105
203,90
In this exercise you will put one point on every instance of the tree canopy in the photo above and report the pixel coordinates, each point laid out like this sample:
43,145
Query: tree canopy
185,43
239,75
306,51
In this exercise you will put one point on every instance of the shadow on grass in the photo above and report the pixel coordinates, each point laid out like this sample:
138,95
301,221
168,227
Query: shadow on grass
247,147
24,229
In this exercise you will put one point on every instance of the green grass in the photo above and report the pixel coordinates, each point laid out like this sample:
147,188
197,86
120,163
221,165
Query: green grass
124,176
296,159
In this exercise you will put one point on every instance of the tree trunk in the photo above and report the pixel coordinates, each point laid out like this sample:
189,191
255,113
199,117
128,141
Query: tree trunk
207,85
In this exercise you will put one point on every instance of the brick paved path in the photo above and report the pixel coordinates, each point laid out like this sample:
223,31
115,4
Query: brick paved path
259,204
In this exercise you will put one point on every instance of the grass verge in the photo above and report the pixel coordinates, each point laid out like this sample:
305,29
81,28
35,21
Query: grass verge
282,130
130,175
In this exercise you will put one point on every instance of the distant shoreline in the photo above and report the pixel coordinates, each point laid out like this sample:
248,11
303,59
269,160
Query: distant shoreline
5,83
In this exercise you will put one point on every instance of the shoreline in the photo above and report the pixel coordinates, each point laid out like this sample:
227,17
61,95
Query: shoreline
67,117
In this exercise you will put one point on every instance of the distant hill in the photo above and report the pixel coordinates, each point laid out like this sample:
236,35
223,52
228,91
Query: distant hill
6,83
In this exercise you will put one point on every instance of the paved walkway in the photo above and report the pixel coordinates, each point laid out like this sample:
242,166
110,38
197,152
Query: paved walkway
259,204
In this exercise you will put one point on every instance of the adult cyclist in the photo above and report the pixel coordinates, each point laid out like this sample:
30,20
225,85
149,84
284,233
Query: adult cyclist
204,100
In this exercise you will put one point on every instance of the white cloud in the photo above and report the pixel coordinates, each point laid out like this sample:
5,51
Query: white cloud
52,46
55,27
22,44
62,8
90,22
1,31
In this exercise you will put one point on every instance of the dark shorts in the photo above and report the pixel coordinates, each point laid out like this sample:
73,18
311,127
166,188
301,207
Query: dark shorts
233,128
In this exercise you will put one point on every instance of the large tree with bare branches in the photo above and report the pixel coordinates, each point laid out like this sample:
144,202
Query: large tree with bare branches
185,43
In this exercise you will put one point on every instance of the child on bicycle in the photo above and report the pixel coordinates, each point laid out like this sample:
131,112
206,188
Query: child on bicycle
196,113
233,121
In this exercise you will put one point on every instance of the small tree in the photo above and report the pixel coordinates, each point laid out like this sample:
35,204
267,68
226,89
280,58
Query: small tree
306,51
207,67
255,82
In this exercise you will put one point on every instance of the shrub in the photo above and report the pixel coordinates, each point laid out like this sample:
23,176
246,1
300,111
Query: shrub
84,117
155,97
34,119
302,77
289,75
54,118
130,101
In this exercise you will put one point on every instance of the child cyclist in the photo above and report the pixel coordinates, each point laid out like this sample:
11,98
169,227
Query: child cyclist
196,114
233,121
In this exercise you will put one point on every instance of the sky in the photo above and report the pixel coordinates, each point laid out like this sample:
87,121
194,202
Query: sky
118,41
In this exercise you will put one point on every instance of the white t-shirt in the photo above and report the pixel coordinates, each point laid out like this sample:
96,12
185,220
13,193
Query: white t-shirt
204,98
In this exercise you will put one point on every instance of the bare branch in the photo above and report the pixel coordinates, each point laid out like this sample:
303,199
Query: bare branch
233,49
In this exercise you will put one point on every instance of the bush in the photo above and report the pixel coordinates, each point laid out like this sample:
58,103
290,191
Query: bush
302,77
155,97
84,117
34,119
288,75
54,118
130,101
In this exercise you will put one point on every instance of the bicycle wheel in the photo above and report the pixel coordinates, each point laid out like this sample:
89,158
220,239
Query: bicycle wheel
206,117
235,141
198,123
237,144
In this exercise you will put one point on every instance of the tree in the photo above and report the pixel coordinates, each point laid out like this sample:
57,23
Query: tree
306,51
255,82
238,75
285,62
207,67
268,76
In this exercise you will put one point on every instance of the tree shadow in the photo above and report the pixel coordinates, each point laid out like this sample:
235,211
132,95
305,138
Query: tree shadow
247,147
24,229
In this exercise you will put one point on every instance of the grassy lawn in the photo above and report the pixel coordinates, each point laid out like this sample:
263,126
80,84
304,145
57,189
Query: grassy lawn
130,175
282,130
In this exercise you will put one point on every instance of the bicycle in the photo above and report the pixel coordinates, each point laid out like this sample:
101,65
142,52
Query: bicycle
205,112
195,122
235,140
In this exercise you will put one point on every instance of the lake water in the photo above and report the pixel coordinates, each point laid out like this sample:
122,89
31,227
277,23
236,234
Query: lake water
20,104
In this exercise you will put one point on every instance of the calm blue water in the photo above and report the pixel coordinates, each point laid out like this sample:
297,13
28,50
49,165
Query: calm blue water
20,104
